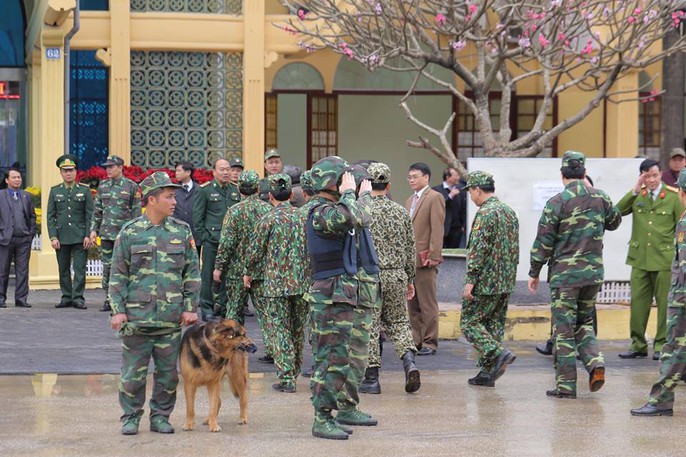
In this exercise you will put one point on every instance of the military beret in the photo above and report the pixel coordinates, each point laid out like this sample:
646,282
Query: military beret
278,182
236,162
573,155
66,161
380,172
113,160
249,179
271,153
157,180
681,181
479,178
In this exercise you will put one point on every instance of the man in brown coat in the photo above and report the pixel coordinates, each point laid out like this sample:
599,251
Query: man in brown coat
427,211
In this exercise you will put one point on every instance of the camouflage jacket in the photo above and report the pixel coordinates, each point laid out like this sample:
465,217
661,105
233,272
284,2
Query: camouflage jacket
493,249
116,202
570,236
677,290
393,236
155,272
333,220
280,239
239,223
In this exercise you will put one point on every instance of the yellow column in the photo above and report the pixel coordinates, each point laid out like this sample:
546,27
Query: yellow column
34,90
253,85
622,119
120,80
48,140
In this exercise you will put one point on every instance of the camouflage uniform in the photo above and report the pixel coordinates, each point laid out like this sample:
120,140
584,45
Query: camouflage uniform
155,279
570,236
280,238
393,236
239,223
117,201
492,258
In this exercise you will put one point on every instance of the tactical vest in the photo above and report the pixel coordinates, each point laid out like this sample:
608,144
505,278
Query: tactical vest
367,254
330,257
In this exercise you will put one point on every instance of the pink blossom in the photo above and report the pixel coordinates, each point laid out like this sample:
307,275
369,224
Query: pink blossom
290,30
378,9
302,13
458,45
588,48
472,8
440,19
524,43
543,41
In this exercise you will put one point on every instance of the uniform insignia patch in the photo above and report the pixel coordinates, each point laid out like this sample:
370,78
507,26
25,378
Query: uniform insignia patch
176,241
680,237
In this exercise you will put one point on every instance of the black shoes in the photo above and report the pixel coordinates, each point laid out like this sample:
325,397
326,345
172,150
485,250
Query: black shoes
22,305
483,378
504,359
426,351
633,355
106,307
266,359
656,356
412,377
281,387
545,349
63,304
650,410
370,384
80,306
557,393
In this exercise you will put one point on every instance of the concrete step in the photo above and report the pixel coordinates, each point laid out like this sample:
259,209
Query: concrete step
527,322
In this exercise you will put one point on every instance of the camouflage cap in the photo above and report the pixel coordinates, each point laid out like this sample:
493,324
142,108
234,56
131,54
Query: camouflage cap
236,162
380,172
248,179
479,178
681,181
573,155
157,180
271,153
306,181
66,161
278,182
327,171
113,160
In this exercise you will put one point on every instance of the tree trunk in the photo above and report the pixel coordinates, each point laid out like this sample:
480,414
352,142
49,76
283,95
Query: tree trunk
672,115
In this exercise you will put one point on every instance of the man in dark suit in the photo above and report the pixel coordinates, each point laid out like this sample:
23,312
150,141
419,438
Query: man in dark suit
452,228
427,211
17,227
185,196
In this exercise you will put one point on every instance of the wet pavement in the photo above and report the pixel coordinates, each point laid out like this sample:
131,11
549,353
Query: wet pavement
58,397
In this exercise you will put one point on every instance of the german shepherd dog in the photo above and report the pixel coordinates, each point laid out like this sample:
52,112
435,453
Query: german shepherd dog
210,351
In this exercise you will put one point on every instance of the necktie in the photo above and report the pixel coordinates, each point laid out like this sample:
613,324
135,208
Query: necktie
14,195
653,195
413,206
187,188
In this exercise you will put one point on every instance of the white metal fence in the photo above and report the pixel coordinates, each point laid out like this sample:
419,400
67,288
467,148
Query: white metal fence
93,266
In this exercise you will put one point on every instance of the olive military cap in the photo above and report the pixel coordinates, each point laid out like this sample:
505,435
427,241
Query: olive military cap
573,155
271,153
157,180
113,160
236,162
66,161
479,178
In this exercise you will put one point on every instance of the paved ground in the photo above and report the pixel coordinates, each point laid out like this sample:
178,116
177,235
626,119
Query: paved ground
58,398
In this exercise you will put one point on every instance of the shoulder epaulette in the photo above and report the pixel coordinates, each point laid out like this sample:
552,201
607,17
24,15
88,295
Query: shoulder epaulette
673,189
83,184
205,184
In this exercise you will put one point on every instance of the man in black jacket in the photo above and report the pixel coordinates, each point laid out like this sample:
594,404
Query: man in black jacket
453,226
185,196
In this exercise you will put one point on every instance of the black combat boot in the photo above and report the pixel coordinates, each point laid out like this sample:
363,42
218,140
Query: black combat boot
370,383
412,380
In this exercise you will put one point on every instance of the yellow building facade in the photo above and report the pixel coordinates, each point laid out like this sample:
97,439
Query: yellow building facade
258,89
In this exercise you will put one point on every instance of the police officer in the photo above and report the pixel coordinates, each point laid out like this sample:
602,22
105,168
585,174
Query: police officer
70,208
209,209
153,292
117,201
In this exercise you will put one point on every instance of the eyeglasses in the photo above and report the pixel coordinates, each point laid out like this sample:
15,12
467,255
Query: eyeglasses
414,177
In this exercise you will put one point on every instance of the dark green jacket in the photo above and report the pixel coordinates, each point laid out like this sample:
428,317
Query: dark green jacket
116,202
209,209
69,213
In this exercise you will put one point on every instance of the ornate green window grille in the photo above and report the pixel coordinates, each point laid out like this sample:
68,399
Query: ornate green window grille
185,106
189,6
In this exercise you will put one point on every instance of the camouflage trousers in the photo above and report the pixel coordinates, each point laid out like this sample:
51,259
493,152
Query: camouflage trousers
573,332
136,353
333,325
392,314
483,324
672,359
106,249
237,300
287,316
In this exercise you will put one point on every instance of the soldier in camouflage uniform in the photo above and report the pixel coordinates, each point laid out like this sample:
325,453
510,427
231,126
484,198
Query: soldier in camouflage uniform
393,236
153,292
673,356
209,208
280,238
492,258
570,237
333,294
239,223
117,201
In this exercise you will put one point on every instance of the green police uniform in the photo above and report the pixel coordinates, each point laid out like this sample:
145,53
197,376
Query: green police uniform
70,209
155,279
210,206
651,250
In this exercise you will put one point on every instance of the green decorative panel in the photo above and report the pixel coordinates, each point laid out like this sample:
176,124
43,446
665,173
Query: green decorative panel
188,6
185,106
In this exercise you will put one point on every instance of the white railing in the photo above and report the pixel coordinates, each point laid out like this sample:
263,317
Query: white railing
614,292
94,267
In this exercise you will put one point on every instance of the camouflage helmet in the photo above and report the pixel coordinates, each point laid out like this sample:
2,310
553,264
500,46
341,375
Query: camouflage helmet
327,171
681,181
359,172
248,180
306,182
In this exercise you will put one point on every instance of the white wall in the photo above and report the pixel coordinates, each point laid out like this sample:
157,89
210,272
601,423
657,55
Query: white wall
516,180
